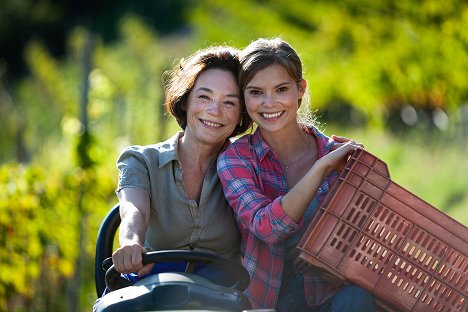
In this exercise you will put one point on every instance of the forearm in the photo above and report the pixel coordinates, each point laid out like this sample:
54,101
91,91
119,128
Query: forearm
254,210
134,215
295,202
132,227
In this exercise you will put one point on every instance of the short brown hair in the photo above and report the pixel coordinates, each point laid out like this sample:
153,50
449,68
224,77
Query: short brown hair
181,79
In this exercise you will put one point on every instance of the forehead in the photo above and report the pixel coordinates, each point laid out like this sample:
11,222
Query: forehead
272,74
217,80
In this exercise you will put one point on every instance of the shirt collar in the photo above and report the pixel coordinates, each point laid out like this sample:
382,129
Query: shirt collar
262,148
260,145
324,142
168,149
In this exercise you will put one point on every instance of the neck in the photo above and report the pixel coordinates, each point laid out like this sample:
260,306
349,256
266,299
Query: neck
193,154
289,143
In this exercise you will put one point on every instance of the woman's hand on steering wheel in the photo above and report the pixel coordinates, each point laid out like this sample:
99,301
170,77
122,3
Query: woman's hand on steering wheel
114,280
129,259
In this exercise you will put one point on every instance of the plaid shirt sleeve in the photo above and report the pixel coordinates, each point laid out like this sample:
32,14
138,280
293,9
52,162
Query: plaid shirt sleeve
254,211
254,190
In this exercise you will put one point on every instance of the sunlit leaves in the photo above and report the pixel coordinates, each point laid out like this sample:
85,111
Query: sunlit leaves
20,237
60,205
39,222
51,77
373,55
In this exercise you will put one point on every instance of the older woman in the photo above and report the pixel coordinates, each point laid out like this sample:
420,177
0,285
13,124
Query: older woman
170,195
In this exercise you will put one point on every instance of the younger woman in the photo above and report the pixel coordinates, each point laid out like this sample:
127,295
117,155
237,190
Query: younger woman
276,178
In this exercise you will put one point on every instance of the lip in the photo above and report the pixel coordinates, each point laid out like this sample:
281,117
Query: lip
271,116
211,124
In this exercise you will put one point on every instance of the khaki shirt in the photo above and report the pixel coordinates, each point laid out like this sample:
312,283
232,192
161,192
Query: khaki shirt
177,222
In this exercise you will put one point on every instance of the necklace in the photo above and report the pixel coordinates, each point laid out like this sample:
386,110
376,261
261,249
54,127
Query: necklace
286,166
303,155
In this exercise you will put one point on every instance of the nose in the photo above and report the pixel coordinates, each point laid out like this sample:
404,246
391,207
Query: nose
214,107
267,100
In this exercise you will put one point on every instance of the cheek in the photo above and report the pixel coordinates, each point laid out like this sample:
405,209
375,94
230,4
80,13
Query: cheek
249,108
237,117
250,99
290,98
192,106
233,115
251,103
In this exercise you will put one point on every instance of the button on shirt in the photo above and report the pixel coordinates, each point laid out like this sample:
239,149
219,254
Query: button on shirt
254,184
177,222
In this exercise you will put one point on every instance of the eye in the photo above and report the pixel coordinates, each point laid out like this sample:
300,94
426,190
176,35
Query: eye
203,96
255,92
282,89
234,103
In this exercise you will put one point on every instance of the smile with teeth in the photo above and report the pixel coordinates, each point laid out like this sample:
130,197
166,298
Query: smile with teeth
271,115
211,124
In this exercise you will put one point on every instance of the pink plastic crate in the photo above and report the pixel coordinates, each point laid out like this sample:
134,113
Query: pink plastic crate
372,232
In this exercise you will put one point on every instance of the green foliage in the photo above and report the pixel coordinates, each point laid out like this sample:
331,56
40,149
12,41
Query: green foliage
20,245
376,56
53,206
38,224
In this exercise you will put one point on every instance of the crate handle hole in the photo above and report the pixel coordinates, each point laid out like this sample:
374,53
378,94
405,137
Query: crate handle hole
416,295
338,246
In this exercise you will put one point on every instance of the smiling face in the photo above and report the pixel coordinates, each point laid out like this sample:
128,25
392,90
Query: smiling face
272,98
213,107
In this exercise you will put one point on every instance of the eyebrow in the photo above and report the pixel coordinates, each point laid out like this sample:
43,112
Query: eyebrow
211,91
277,86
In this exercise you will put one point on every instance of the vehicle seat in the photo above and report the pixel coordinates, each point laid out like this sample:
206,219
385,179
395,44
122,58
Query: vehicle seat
104,246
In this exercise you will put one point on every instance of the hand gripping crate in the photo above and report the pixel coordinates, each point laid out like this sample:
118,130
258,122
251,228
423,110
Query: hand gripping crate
372,232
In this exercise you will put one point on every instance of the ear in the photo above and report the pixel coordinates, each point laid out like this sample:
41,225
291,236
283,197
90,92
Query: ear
302,86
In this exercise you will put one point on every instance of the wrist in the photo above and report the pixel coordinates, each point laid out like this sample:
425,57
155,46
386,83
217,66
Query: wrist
322,167
130,242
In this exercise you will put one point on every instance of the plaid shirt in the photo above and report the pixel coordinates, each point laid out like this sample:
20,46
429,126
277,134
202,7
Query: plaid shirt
254,184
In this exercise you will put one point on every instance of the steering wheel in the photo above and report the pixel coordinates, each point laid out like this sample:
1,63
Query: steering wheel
115,281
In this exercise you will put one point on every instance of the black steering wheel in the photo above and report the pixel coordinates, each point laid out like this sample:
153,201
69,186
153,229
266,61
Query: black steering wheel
115,281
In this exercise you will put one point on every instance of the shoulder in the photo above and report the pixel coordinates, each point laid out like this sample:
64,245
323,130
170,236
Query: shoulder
238,146
141,151
319,134
158,153
324,142
237,155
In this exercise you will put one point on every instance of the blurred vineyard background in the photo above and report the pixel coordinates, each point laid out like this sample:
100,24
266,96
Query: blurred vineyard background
80,80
